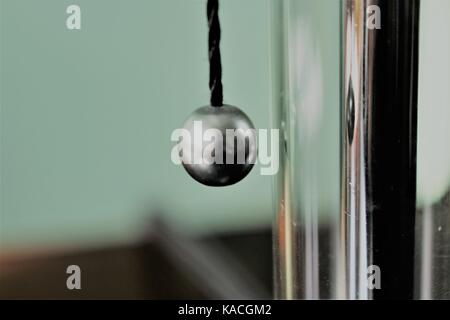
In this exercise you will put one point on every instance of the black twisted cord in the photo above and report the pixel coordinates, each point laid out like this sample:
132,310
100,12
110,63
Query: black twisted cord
215,63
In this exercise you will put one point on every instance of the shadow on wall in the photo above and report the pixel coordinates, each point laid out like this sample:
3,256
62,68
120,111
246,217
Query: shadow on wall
164,265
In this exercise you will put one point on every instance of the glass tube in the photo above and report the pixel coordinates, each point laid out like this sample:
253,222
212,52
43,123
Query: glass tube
305,107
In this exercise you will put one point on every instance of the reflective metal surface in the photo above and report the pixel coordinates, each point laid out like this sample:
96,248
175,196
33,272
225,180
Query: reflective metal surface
356,211
346,100
213,157
379,130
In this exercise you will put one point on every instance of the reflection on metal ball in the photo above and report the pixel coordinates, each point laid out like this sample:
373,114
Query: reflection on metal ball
219,147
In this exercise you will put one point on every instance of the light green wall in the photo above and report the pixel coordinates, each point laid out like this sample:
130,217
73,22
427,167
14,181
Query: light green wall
86,117
433,148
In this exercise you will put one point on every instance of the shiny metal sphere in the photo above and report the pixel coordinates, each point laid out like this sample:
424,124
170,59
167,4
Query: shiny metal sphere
201,154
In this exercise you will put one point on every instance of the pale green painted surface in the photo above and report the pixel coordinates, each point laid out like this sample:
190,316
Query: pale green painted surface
433,148
86,117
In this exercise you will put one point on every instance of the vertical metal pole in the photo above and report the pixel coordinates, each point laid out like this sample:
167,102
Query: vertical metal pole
379,129
355,212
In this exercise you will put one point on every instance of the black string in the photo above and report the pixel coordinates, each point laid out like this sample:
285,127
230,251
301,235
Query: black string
215,64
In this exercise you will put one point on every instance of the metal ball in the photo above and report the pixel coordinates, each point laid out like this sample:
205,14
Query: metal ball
233,141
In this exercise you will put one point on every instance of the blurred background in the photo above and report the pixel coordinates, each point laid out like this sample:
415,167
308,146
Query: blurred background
86,119
86,175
